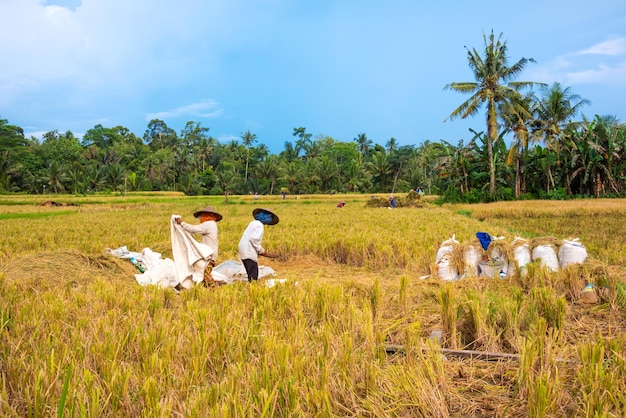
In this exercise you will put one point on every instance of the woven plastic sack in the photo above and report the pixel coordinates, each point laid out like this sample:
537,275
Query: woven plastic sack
446,247
471,258
445,268
572,252
521,254
547,255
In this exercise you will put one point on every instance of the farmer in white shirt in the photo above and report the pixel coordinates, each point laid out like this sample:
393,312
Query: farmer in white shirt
250,244
208,230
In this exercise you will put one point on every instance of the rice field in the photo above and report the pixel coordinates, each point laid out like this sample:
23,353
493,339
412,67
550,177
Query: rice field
362,327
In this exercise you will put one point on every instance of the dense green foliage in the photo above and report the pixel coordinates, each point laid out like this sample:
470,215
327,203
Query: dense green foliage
585,159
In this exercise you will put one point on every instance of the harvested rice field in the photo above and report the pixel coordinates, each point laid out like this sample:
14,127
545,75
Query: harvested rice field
363,324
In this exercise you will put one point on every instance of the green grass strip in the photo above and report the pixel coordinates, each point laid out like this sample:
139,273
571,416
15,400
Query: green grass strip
35,215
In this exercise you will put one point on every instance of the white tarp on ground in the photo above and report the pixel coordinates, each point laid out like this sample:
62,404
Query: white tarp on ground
187,268
231,271
162,272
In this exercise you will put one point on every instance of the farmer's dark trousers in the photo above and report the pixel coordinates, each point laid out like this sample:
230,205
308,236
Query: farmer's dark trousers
252,268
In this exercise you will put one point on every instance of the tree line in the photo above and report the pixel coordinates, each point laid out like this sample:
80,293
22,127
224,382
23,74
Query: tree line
549,154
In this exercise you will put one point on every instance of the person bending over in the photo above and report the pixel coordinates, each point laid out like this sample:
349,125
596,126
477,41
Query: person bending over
250,247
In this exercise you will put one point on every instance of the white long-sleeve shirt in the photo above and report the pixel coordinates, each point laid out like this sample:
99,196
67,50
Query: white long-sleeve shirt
208,230
250,243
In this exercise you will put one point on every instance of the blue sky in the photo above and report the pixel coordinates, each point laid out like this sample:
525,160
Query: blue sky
337,68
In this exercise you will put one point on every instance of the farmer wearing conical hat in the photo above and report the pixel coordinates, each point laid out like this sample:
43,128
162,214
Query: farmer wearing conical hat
208,230
250,244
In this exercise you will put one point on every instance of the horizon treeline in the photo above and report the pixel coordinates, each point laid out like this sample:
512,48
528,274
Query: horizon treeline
585,159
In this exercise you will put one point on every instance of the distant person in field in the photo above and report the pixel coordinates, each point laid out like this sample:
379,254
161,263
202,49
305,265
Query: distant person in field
250,244
392,201
208,230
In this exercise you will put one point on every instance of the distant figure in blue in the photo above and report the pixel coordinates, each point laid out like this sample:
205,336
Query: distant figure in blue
393,202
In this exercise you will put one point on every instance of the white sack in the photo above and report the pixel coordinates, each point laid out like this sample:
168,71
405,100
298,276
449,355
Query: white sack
521,254
572,252
548,257
492,268
446,247
471,258
445,270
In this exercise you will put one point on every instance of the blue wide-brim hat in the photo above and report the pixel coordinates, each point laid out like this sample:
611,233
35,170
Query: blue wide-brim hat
264,210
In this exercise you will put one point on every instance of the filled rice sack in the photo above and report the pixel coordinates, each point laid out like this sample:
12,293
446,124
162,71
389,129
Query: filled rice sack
492,268
572,252
547,254
472,254
446,269
446,247
521,255
496,263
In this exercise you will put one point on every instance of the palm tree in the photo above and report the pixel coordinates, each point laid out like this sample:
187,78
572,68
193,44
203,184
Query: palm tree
289,153
380,169
363,142
493,84
611,135
115,175
456,164
56,176
554,115
355,176
303,141
391,145
227,176
204,149
519,119
292,173
269,169
248,139
555,112
328,172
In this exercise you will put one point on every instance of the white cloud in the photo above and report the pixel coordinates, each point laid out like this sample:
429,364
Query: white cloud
203,109
600,64
613,47
603,74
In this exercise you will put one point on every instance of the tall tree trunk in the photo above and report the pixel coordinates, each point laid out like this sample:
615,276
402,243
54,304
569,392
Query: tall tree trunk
517,179
492,133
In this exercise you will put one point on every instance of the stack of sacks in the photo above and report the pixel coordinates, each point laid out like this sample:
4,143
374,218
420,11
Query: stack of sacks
486,256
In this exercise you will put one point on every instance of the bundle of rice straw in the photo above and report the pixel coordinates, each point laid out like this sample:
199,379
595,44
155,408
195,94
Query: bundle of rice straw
499,250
